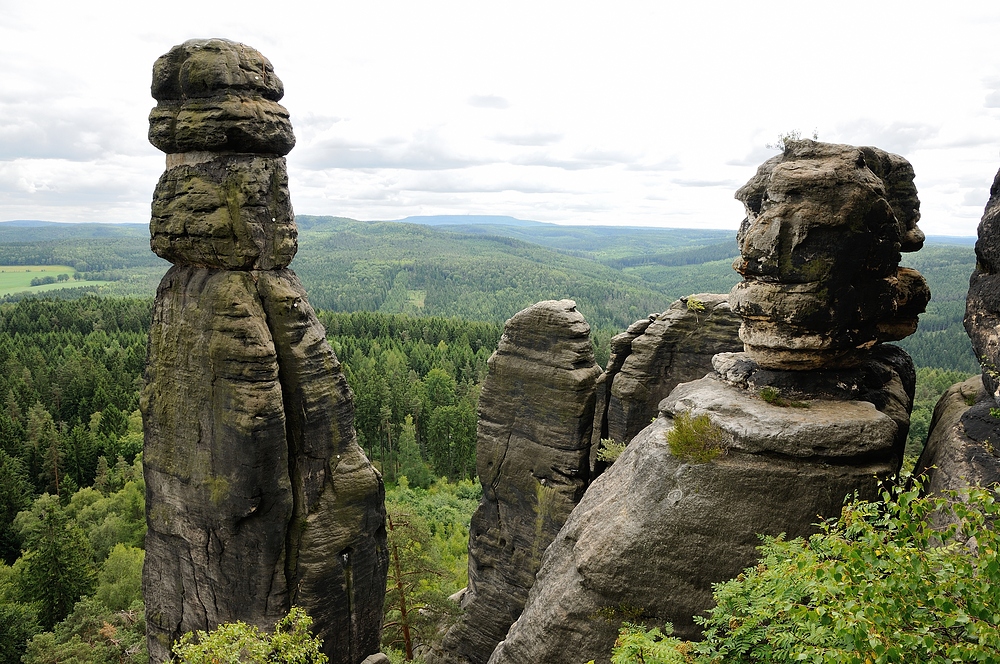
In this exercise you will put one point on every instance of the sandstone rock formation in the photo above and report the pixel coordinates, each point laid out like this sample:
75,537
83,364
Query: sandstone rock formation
654,355
536,411
813,410
820,255
963,444
982,308
257,494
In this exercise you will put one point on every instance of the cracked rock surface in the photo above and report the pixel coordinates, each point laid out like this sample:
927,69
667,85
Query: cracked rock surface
258,496
536,411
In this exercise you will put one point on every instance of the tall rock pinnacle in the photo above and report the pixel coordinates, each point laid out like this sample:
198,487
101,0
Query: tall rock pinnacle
258,496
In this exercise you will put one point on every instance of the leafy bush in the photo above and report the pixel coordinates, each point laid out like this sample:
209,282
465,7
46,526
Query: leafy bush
880,584
695,439
291,643
610,450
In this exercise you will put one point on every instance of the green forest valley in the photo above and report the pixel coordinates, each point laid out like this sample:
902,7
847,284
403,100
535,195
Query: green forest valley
413,312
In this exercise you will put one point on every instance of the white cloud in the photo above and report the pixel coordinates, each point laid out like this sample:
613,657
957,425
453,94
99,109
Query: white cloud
488,101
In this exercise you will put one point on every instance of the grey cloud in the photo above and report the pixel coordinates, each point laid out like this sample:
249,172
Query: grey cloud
976,198
755,157
993,99
595,159
445,183
30,131
705,183
898,137
534,139
421,153
488,101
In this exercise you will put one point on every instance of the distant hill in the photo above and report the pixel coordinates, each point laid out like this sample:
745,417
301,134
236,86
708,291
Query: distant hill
481,269
468,220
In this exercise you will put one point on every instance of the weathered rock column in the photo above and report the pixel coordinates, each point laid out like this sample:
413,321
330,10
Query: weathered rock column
257,494
536,411
820,254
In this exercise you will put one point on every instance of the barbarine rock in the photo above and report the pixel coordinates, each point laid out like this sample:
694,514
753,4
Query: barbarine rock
258,496
820,256
536,411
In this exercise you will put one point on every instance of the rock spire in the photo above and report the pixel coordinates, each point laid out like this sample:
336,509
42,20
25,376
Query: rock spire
536,411
257,494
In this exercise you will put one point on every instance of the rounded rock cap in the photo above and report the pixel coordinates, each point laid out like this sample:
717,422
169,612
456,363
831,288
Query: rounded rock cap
207,67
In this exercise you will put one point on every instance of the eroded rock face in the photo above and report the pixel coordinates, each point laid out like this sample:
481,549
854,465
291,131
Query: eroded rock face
675,347
820,256
536,411
258,496
961,447
982,309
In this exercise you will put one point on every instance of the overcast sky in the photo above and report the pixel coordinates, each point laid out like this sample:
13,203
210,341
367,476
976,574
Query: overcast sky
646,113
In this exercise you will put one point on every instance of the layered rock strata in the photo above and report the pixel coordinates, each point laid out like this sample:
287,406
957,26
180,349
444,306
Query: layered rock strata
814,409
258,496
654,355
963,444
536,411
820,256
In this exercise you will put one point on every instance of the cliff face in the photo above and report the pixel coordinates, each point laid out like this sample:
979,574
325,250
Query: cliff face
814,409
962,443
257,494
536,411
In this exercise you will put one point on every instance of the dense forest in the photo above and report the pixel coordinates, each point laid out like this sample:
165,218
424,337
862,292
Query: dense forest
413,312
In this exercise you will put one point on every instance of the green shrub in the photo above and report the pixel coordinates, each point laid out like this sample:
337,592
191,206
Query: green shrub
291,643
695,439
880,584
610,450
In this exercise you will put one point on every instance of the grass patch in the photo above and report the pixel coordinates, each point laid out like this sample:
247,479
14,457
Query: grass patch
416,298
695,439
772,395
18,278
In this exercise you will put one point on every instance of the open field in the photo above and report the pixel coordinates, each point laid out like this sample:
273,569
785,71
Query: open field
17,278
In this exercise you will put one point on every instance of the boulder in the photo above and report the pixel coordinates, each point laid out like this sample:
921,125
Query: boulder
963,442
536,411
230,212
654,532
219,96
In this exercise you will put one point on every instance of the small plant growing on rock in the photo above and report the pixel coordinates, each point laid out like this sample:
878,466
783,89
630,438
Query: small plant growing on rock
610,450
695,439
772,395
694,305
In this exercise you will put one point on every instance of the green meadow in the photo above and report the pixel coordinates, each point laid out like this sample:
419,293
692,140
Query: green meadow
17,278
